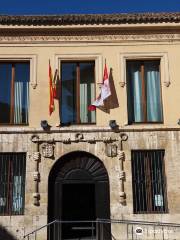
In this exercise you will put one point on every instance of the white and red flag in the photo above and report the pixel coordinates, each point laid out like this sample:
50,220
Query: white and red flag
105,92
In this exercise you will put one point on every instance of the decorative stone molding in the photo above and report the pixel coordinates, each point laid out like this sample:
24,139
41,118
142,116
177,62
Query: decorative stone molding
66,140
89,38
34,138
167,84
36,197
47,150
111,150
122,197
36,176
91,140
124,137
122,175
107,139
36,156
79,137
121,157
122,84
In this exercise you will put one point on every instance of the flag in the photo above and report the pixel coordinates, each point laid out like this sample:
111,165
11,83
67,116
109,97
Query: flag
51,91
105,92
55,84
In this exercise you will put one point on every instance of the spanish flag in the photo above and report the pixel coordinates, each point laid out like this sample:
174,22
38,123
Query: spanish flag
55,85
51,91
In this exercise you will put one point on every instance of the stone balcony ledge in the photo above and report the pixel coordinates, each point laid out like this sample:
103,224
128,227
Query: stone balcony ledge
88,128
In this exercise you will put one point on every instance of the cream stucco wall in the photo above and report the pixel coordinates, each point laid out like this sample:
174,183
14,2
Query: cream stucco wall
115,49
113,53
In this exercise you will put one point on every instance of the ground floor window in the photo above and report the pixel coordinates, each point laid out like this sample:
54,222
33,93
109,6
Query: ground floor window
149,181
12,182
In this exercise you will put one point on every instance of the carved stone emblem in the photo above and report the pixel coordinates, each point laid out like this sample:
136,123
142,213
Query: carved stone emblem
111,150
47,150
79,137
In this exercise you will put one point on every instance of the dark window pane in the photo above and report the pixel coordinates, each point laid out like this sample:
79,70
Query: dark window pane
68,95
14,92
5,91
87,92
134,81
77,92
4,187
21,92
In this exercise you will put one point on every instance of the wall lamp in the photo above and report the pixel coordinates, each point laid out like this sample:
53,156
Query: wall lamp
45,126
113,125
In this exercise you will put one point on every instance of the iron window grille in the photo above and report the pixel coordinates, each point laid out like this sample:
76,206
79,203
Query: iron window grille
12,182
149,181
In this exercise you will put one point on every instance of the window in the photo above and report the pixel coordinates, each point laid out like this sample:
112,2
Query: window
12,182
77,92
149,182
14,92
144,92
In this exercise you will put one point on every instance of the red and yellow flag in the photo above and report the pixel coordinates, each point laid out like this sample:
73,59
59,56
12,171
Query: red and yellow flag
51,91
55,83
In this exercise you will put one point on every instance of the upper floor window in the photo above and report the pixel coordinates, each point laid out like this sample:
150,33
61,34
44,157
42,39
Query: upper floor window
12,182
14,92
144,92
149,181
77,92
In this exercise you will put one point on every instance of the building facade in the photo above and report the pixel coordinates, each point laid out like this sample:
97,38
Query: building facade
75,164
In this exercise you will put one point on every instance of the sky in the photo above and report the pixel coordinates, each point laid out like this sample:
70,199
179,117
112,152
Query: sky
27,7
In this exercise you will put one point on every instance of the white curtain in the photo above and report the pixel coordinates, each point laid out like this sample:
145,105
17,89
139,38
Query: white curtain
135,110
137,94
87,95
21,102
154,109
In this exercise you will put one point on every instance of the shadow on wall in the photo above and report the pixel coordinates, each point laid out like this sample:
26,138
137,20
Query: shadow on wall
5,235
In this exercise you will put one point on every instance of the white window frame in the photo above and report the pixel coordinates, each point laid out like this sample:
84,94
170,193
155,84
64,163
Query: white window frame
164,64
164,70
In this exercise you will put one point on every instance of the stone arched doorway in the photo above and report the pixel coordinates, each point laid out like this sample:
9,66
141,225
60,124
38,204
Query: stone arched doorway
78,191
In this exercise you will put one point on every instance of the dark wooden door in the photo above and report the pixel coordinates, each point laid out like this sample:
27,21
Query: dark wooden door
79,191
78,204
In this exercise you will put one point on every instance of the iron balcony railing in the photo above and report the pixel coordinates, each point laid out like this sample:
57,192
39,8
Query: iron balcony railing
105,229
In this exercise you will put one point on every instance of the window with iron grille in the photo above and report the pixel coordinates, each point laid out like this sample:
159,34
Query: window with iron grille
149,181
14,92
12,182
